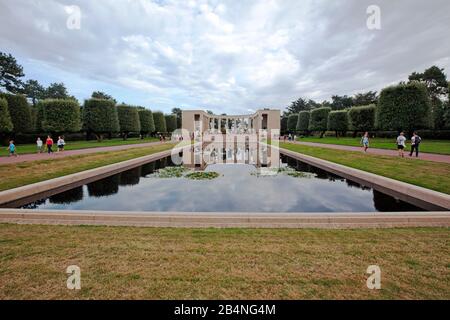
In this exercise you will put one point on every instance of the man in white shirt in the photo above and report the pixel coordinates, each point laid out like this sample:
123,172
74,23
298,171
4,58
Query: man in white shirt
401,144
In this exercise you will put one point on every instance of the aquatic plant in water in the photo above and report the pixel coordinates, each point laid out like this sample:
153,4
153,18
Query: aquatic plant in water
202,175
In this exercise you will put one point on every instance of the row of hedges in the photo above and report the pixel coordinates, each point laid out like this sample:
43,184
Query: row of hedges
96,116
404,107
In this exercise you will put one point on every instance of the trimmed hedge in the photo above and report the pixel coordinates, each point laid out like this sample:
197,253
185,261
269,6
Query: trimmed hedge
303,121
292,122
128,119
6,124
59,115
160,122
100,117
146,120
338,121
19,111
362,118
404,107
171,122
319,120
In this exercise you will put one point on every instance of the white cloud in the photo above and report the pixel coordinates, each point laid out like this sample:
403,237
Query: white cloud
228,56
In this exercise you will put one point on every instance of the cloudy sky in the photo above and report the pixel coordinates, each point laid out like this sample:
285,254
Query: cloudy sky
226,56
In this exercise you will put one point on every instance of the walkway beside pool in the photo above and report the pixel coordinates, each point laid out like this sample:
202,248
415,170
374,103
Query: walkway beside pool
381,152
68,153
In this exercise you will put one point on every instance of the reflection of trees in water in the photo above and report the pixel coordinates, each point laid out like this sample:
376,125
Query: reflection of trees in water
67,197
104,187
147,169
34,205
130,177
386,203
304,167
353,184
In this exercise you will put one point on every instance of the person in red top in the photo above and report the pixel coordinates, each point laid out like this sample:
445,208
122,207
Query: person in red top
49,144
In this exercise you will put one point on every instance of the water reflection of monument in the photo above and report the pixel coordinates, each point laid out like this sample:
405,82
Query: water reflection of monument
231,151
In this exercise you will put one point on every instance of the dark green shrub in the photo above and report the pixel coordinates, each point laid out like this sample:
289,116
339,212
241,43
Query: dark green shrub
362,118
160,122
338,121
19,111
59,115
100,117
146,120
319,120
404,107
303,121
292,122
128,119
6,124
171,122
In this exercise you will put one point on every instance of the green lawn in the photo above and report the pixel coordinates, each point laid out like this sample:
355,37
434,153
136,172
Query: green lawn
428,174
74,145
171,263
19,174
431,146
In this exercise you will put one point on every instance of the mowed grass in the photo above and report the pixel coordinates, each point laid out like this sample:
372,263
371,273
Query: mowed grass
75,145
430,146
428,174
20,174
167,263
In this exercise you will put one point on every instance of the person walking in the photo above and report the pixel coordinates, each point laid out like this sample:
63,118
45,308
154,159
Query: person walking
12,149
49,144
60,143
415,142
365,141
401,144
39,145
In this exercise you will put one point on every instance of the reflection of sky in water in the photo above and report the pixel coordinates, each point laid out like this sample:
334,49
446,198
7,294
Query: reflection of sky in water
237,189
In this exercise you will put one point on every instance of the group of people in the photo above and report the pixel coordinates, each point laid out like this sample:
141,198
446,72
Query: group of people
40,146
401,143
289,137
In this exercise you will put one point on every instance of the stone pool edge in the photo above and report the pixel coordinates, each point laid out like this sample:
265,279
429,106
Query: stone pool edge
422,197
341,220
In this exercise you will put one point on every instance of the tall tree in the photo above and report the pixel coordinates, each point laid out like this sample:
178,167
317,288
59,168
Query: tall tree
341,102
178,112
102,95
56,91
365,98
10,73
34,91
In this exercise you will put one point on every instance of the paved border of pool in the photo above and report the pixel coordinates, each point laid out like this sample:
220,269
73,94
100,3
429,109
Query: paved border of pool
422,197
227,219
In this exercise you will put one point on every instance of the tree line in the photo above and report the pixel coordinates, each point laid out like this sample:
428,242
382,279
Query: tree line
29,107
423,102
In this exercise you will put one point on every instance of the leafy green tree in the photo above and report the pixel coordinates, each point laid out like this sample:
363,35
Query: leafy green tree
404,107
301,104
19,111
57,91
283,124
160,122
171,122
147,122
100,117
319,120
292,122
303,121
128,120
365,98
102,95
6,124
10,73
362,118
338,121
34,91
60,115
341,102
178,112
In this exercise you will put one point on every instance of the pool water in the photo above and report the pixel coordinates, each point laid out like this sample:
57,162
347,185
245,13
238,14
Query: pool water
239,188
